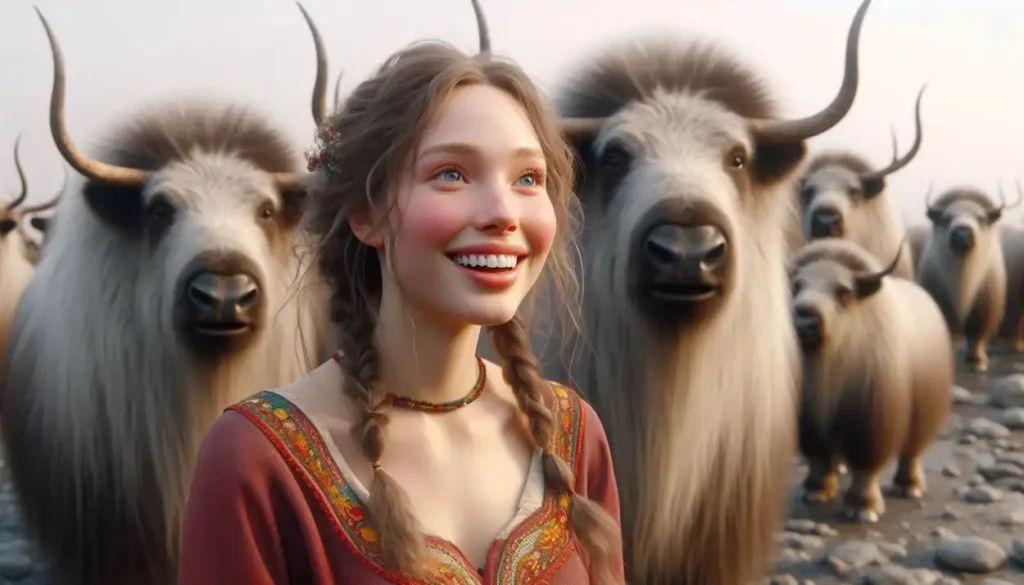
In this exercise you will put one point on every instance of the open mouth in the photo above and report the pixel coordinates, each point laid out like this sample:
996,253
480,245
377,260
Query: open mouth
487,263
683,292
810,340
221,328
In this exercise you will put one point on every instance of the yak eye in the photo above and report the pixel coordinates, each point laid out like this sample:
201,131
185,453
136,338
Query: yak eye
160,209
844,295
266,212
737,162
615,156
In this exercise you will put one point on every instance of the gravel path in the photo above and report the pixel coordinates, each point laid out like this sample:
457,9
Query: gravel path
968,529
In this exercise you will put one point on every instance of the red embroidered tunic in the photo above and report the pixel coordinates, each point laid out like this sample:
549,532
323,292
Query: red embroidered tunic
269,505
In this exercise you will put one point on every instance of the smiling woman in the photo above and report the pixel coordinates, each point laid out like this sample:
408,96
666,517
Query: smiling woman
441,198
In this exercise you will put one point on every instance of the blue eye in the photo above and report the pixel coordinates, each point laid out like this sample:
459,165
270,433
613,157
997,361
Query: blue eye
527,181
450,175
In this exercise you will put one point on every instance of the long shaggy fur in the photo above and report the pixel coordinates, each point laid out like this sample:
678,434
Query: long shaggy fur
16,270
871,221
702,435
970,289
881,384
104,406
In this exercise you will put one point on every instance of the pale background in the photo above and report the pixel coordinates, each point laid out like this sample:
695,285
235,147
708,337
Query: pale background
122,54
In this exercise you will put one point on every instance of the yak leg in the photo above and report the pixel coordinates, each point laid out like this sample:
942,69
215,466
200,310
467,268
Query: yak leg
909,479
863,498
976,355
822,482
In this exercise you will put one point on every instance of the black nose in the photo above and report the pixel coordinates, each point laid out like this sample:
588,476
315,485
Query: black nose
826,223
961,239
684,263
809,327
222,298
692,250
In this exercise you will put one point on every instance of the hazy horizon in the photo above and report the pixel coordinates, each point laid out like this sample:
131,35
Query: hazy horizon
123,56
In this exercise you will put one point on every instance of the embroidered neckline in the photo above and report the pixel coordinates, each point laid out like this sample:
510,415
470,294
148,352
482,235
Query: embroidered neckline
532,551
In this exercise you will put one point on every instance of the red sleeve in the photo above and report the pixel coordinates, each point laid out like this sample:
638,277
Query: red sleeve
232,529
596,477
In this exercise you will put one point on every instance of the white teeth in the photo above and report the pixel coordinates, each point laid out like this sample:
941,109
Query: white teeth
489,260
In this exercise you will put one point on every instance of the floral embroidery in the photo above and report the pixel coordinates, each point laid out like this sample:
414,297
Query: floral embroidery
534,551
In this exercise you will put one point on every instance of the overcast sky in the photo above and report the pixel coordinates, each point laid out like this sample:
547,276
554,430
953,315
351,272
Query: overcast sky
123,54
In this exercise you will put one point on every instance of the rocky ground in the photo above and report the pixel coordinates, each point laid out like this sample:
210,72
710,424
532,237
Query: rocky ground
968,529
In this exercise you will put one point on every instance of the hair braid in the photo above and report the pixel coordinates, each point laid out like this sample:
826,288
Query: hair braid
595,528
398,531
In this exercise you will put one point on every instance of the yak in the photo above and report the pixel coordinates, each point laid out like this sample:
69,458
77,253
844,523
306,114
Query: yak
841,196
169,289
689,358
877,373
963,269
19,252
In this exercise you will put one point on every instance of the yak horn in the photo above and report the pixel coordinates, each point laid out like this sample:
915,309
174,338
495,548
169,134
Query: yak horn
783,131
51,203
928,196
871,282
319,102
899,163
337,92
1002,199
21,176
483,31
93,169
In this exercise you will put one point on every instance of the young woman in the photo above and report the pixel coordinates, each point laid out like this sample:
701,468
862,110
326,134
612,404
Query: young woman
441,197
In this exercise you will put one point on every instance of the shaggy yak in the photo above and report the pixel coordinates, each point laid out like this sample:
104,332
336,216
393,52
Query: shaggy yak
18,251
165,294
963,269
686,177
878,373
842,197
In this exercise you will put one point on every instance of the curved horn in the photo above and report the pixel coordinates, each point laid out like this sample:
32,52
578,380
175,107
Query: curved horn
932,213
337,92
898,164
895,145
319,102
94,169
51,203
996,213
869,284
782,131
483,31
21,176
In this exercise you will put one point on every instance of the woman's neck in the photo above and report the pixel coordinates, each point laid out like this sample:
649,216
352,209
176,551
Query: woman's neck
423,359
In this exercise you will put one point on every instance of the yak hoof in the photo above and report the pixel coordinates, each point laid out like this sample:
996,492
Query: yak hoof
819,496
909,492
863,515
978,366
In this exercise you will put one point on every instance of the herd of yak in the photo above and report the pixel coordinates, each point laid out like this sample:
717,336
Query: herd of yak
739,305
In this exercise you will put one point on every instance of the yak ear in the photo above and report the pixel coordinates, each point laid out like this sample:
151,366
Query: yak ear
774,162
40,223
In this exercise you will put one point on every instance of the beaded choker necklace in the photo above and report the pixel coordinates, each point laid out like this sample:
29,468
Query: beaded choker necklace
429,406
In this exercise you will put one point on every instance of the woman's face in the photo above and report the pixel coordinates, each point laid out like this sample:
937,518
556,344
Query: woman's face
474,223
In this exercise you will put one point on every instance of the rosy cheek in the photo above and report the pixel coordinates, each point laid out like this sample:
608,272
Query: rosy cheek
431,222
539,225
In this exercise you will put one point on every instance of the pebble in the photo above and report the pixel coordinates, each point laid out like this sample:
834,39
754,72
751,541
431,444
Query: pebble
987,429
1013,419
1007,392
970,554
983,494
998,471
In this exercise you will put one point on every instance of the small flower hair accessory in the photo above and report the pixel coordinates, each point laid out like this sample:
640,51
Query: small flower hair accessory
322,156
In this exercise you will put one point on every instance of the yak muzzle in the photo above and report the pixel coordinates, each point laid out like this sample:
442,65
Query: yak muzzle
810,328
684,264
826,223
221,305
961,240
